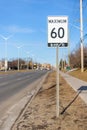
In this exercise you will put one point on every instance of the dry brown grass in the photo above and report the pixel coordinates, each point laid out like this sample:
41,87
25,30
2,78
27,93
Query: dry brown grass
79,74
41,114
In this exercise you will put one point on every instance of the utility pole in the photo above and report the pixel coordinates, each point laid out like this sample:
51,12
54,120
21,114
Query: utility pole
68,49
81,37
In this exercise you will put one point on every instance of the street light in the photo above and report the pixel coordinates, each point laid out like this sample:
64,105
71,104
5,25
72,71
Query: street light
6,38
33,60
18,47
27,58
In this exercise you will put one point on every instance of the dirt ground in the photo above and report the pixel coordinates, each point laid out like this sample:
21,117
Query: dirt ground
41,113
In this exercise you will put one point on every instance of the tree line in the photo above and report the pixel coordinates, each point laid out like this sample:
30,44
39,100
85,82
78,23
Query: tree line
75,58
13,64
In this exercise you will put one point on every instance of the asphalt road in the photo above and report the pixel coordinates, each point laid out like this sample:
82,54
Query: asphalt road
13,85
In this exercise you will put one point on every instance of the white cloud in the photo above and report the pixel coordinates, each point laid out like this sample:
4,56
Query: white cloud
36,1
17,29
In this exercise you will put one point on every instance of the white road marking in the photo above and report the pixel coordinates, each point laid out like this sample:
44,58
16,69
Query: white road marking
5,83
1,77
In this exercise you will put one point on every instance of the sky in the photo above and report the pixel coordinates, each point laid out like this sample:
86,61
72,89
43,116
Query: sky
25,23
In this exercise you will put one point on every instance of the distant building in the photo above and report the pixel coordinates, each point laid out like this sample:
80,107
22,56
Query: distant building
2,66
46,66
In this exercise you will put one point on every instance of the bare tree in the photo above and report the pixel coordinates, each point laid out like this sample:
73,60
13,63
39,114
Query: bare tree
75,58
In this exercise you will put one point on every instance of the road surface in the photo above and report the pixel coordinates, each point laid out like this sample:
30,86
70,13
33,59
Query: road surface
12,87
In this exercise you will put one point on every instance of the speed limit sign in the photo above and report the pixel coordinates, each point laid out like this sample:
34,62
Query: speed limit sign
58,31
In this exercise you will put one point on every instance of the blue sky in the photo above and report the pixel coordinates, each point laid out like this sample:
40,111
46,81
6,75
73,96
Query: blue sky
26,21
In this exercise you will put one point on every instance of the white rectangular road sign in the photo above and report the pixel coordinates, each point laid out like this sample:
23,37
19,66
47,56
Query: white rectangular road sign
58,31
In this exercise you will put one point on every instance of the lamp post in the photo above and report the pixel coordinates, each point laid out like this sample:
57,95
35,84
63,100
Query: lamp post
33,61
6,39
27,58
18,47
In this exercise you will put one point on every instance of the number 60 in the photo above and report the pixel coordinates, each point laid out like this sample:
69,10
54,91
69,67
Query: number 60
59,34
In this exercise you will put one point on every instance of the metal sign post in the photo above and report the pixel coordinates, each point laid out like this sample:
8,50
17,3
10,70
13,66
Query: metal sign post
57,82
57,37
